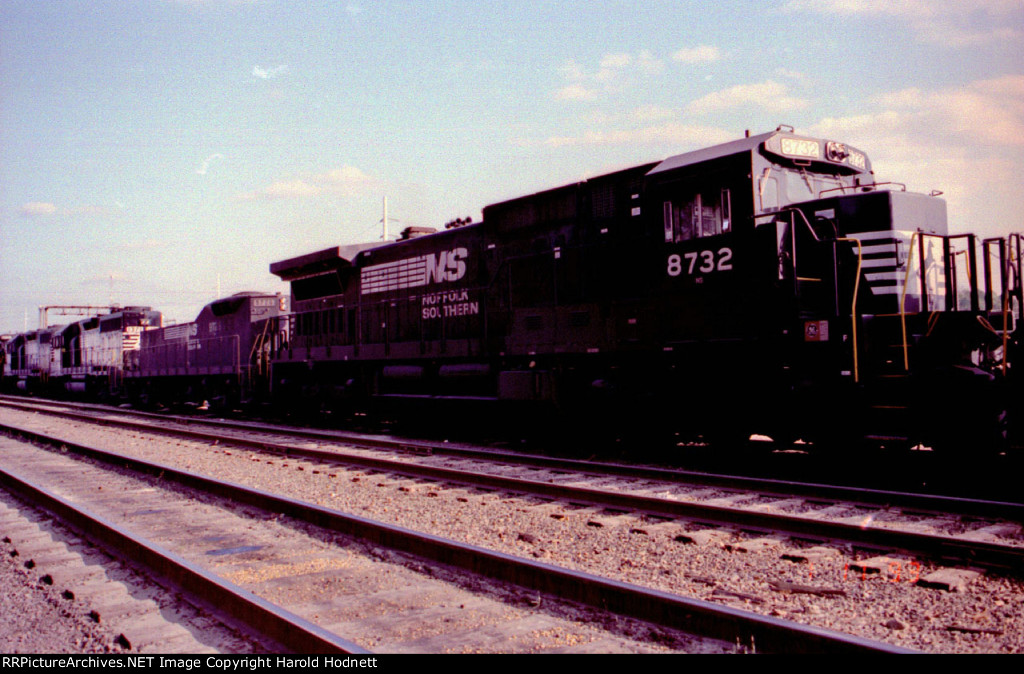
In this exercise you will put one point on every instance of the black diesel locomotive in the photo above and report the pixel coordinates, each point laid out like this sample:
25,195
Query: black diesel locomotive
766,285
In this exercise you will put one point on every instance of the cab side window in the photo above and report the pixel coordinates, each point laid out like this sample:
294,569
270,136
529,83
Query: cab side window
697,215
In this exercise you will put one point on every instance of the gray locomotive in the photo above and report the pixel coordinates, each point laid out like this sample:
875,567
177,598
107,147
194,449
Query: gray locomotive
91,355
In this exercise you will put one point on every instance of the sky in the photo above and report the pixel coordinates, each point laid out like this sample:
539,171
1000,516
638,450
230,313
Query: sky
166,152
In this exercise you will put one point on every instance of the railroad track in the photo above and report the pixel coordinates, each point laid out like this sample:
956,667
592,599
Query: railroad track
883,521
63,552
284,438
146,505
656,558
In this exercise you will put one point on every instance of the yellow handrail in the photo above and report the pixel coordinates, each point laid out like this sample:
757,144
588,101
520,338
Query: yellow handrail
1010,269
853,308
903,302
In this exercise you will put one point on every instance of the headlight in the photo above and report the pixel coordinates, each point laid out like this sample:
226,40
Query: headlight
836,151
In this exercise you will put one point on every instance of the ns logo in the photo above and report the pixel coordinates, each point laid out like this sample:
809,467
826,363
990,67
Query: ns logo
448,265
414,272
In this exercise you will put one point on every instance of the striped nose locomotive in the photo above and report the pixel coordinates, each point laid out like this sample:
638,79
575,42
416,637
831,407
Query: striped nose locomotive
766,285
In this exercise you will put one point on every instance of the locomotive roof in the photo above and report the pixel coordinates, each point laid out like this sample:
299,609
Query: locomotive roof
319,262
748,144
839,156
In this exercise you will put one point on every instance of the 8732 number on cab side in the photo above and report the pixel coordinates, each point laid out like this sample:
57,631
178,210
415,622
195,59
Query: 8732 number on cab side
698,263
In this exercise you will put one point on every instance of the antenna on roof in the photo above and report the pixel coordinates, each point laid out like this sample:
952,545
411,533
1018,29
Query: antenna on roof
384,235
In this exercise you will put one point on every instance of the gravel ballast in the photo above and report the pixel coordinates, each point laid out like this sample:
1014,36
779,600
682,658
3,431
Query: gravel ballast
986,615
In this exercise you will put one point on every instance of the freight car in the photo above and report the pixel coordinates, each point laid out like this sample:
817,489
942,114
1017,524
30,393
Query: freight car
765,285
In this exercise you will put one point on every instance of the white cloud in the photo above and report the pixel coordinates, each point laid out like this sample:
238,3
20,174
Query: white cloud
965,141
42,209
346,180
346,174
982,118
572,71
986,111
37,209
770,95
650,113
648,63
575,92
615,61
614,67
952,24
268,73
699,54
615,72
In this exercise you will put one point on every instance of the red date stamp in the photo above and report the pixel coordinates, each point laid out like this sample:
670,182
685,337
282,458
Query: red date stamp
893,573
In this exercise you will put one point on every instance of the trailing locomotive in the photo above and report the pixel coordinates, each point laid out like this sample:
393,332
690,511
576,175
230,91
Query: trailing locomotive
90,355
222,357
766,285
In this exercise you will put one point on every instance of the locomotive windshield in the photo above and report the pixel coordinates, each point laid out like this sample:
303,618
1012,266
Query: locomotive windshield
793,169
712,191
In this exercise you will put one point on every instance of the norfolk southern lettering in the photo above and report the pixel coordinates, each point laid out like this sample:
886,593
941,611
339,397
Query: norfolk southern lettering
415,272
448,304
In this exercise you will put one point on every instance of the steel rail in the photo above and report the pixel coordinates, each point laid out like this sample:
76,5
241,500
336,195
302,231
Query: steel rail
932,503
766,633
263,617
941,548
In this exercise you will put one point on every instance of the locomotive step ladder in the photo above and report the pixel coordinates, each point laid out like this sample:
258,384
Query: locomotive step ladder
943,283
953,295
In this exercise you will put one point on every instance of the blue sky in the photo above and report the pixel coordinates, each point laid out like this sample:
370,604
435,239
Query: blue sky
155,151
